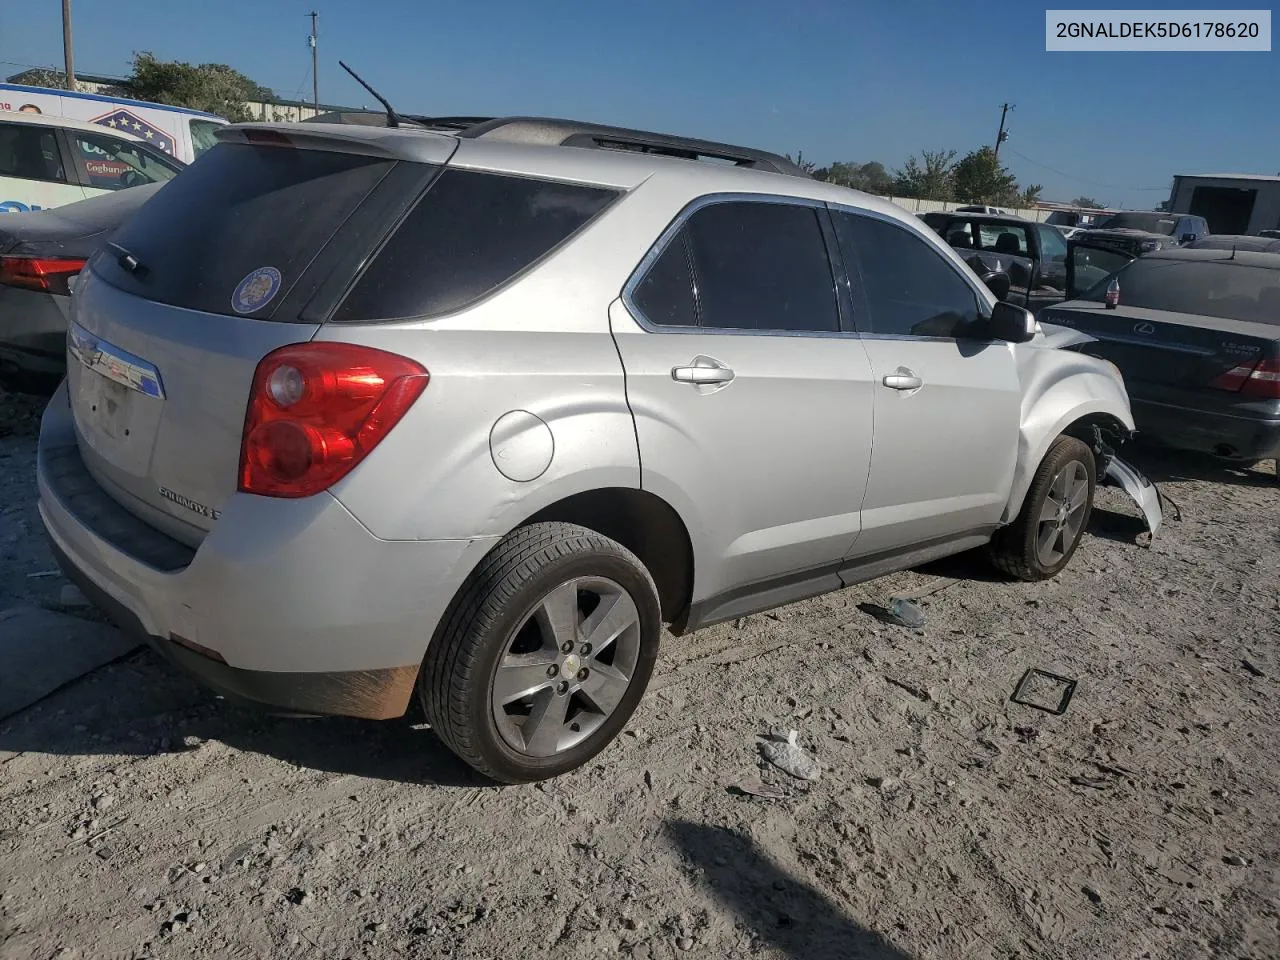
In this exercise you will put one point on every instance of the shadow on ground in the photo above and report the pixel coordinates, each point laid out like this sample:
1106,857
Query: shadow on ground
143,706
786,913
1163,464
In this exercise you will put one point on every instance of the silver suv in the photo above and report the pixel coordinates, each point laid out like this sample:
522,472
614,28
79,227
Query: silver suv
355,412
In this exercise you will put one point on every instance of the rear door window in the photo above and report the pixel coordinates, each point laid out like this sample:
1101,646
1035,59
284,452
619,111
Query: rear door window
470,233
110,163
233,234
744,265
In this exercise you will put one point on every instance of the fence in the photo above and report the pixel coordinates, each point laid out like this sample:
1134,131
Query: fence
928,206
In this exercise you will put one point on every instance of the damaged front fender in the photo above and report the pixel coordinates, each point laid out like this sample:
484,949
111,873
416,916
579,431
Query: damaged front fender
1143,491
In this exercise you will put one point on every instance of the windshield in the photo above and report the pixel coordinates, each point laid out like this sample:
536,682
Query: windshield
1209,288
1148,222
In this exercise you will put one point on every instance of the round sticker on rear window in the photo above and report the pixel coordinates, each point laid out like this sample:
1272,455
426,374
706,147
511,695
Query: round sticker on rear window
256,290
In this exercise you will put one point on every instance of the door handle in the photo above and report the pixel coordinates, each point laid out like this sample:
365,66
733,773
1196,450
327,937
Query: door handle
902,381
703,370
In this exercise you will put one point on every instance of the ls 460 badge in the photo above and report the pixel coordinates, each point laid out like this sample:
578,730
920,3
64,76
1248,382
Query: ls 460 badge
190,504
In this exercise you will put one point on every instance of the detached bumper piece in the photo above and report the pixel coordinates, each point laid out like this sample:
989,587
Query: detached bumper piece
1143,491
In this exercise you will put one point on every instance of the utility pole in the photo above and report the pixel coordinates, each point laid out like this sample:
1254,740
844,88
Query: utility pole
1001,136
315,77
66,44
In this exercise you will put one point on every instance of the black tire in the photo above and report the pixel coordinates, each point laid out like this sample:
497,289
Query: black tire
1015,549
456,684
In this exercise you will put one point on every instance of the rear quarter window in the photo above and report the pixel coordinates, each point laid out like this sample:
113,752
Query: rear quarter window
471,233
238,213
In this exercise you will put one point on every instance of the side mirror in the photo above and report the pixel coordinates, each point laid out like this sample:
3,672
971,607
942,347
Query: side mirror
1011,323
1188,237
997,282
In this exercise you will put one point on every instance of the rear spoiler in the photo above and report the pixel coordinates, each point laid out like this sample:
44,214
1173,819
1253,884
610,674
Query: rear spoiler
402,143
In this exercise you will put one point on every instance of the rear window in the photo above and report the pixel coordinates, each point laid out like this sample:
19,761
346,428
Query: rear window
468,235
1215,288
236,230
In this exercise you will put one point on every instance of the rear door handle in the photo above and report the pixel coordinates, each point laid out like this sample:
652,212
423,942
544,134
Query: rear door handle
902,381
703,370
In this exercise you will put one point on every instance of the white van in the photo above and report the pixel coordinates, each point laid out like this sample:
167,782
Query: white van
50,161
174,130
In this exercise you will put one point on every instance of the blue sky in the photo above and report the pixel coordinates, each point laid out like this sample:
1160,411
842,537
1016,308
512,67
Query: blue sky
838,80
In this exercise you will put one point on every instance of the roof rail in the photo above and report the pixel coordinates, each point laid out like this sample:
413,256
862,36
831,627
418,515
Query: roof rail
572,133
378,118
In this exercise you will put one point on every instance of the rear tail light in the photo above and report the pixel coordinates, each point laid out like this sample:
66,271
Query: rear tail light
1262,380
47,274
316,410
1113,293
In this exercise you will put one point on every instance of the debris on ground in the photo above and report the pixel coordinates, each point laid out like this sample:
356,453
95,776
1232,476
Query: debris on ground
789,757
1252,669
1045,691
758,788
906,612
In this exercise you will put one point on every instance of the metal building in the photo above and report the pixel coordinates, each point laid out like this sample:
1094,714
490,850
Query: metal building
1231,202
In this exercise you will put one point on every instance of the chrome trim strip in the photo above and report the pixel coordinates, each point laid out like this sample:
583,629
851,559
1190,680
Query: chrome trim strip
114,363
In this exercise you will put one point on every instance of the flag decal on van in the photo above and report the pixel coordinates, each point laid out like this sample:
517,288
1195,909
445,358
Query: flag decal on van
130,122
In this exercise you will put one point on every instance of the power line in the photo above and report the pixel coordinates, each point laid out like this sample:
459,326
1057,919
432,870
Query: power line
1092,183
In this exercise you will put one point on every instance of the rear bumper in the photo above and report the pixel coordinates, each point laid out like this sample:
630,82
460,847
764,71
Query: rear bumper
33,332
1236,435
370,694
291,604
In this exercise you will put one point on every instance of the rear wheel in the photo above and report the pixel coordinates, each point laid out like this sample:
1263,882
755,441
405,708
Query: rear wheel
544,654
1054,516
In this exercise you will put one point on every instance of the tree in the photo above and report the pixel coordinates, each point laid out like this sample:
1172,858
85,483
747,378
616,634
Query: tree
869,177
1087,202
928,178
808,166
1030,196
981,178
213,87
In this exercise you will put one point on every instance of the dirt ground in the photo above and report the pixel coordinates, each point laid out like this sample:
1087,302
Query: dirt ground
140,817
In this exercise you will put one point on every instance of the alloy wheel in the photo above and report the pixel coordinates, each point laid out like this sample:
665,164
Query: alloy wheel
1062,515
566,667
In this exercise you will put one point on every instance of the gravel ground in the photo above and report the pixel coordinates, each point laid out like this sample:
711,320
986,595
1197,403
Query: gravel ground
139,817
